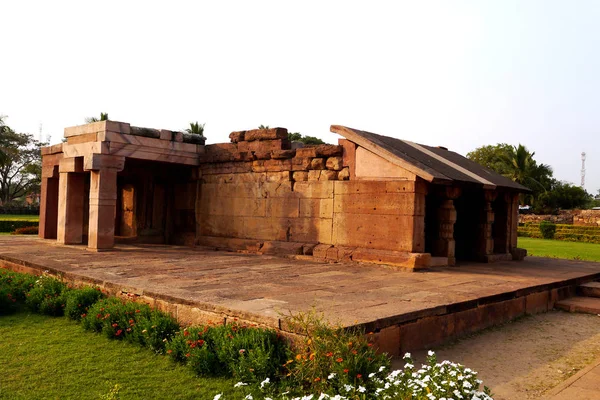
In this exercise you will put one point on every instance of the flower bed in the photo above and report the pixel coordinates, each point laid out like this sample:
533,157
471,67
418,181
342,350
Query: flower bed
325,363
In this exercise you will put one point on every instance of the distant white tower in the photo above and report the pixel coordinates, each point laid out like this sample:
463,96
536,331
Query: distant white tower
583,170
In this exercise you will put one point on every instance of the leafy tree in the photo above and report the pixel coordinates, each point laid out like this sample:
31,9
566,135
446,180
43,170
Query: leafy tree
20,164
492,157
296,136
103,117
196,128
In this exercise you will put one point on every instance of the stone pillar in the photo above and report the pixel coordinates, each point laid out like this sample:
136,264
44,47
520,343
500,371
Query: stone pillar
49,203
502,224
71,192
485,239
418,226
444,245
103,199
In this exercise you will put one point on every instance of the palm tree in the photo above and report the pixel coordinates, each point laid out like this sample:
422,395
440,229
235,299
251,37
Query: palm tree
103,117
523,169
263,127
196,128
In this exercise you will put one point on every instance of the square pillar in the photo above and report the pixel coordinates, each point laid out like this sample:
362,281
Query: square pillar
49,203
71,192
445,245
485,245
103,208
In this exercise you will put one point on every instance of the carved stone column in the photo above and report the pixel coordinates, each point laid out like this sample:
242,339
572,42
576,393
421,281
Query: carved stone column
444,245
71,192
103,199
486,240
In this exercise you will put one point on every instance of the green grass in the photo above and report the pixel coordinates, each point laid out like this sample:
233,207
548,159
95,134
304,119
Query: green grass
13,217
560,249
54,358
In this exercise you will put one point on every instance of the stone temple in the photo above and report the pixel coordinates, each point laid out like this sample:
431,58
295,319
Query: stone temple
370,198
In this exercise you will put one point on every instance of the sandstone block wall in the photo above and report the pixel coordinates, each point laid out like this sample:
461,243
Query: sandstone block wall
257,189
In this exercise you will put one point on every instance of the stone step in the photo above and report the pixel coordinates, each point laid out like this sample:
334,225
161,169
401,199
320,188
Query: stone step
590,289
582,304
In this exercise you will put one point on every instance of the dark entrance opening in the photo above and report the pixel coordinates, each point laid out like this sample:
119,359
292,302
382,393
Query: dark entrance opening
432,223
469,212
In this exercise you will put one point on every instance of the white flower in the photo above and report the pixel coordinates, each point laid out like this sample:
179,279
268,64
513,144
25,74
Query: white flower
381,368
218,396
467,385
347,388
263,383
248,397
408,366
372,374
240,384
362,389
430,353
406,355
331,375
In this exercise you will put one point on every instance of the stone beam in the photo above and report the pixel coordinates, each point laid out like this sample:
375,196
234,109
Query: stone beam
95,162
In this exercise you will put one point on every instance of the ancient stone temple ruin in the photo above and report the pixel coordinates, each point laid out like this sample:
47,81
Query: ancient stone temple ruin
369,198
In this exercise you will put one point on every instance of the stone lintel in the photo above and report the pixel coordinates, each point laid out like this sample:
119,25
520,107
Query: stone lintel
54,149
100,126
71,164
95,162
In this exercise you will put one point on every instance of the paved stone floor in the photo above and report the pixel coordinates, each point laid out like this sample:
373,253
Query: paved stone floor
270,286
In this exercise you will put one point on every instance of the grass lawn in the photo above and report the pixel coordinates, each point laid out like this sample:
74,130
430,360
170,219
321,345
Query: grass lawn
560,249
54,358
13,217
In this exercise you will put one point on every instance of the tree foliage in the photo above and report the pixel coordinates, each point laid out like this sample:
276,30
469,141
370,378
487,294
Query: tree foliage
518,163
20,164
297,137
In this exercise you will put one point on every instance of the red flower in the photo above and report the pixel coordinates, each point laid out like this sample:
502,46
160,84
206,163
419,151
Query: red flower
346,370
329,354
188,355
185,333
200,342
340,359
119,332
115,325
169,351
317,379
358,376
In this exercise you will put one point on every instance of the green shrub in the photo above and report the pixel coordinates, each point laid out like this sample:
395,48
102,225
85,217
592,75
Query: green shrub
249,354
80,300
13,290
134,322
547,229
47,296
115,318
12,225
26,230
154,332
346,354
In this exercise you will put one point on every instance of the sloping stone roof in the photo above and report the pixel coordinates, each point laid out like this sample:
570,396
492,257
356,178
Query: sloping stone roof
434,164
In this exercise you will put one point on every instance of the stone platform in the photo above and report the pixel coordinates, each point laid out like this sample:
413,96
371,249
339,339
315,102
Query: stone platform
405,310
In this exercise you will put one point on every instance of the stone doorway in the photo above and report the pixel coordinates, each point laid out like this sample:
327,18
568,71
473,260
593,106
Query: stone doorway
469,207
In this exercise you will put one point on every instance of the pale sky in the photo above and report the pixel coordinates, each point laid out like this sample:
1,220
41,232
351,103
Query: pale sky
461,74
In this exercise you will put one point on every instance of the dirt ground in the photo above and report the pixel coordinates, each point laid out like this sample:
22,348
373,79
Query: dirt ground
526,358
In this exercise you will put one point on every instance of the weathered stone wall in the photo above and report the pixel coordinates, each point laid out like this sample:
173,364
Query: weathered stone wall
575,217
258,194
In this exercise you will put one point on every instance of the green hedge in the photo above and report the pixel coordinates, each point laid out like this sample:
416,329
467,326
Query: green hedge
11,226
